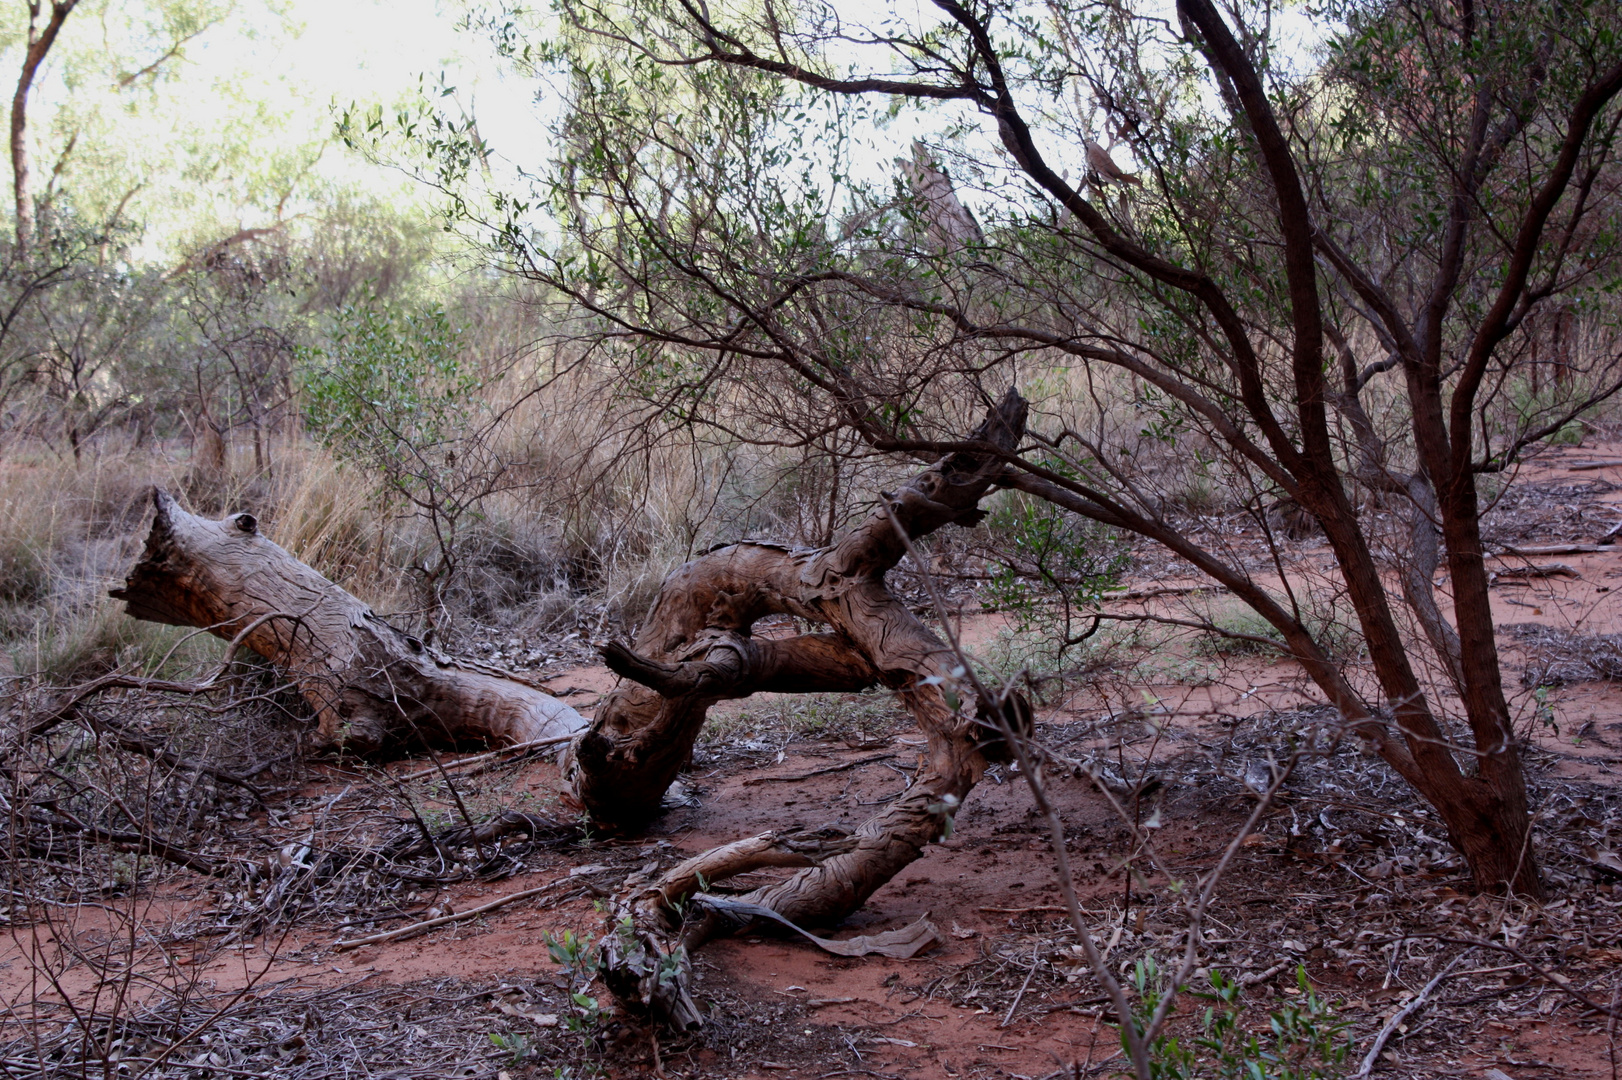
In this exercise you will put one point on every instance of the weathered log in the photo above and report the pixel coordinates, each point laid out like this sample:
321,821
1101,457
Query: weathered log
370,685
696,648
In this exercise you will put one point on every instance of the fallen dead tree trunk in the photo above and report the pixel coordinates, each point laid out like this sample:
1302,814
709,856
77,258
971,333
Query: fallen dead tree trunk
696,648
370,686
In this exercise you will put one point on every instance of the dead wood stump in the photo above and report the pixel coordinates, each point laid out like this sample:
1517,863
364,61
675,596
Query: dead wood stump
696,648
371,686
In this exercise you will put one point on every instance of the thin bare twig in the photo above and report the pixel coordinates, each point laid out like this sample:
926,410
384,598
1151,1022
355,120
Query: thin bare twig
1036,961
818,772
456,916
1404,1013
455,766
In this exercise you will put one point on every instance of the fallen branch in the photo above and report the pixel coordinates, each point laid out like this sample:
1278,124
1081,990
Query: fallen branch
369,685
1545,570
697,647
1402,1014
818,772
1026,910
444,920
1551,549
147,845
1164,590
518,749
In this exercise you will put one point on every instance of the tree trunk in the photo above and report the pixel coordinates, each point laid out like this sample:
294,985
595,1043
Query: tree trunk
39,45
371,687
696,648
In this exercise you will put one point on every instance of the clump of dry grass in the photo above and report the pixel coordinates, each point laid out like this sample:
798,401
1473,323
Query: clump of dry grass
66,533
579,529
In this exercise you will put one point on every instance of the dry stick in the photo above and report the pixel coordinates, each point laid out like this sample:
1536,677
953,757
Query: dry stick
65,708
149,845
142,745
1554,979
456,916
1402,1014
1137,1047
1610,1028
1036,961
1553,549
535,744
816,772
1025,910
1208,890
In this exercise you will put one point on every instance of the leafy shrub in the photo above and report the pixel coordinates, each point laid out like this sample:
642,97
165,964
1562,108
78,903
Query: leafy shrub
1303,1040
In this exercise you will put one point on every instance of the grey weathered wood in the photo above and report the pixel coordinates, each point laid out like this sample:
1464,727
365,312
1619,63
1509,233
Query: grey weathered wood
369,684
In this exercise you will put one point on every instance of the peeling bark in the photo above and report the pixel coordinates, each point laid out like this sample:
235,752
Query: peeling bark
371,687
696,648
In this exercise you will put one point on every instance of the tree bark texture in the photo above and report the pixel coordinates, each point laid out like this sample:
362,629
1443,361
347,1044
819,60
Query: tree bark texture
696,648
371,686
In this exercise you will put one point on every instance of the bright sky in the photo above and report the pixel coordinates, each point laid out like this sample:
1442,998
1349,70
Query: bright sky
374,50
213,144
264,84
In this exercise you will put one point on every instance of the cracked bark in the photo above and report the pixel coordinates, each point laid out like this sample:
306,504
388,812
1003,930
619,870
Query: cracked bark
696,648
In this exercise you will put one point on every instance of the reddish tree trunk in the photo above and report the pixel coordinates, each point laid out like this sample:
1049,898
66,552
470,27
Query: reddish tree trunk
696,648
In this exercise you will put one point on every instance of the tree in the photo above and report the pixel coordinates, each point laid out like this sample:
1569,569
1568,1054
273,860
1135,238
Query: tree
37,47
1327,288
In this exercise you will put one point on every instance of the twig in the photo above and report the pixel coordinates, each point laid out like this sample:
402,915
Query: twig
456,916
149,845
1402,1014
476,758
818,772
68,705
1610,1028
1036,962
1262,976
1134,1044
1553,978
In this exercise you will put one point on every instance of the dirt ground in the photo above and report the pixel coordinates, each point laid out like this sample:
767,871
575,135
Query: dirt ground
1346,877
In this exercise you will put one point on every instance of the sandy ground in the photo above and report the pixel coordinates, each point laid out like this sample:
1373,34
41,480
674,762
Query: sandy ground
997,997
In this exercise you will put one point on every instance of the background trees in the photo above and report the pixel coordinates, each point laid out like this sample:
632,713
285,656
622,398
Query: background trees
1339,285
1329,271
